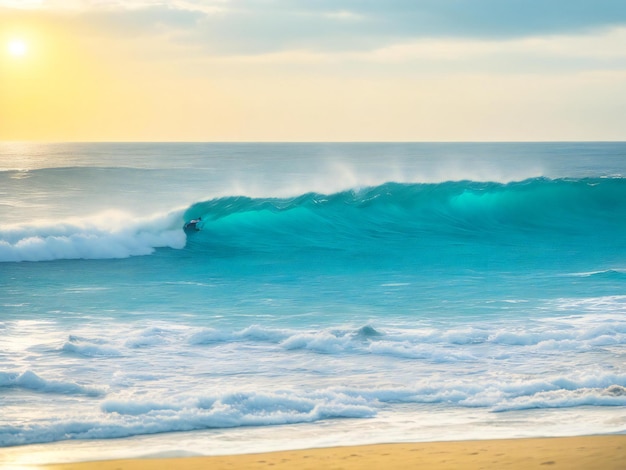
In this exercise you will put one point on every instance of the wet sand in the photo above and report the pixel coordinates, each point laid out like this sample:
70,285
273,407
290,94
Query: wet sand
572,453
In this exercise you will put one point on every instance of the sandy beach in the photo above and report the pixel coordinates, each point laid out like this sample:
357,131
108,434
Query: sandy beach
588,452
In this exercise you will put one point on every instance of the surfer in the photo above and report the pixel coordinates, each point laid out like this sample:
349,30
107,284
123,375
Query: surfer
192,225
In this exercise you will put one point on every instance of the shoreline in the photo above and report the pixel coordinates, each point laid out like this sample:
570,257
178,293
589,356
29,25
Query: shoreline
606,452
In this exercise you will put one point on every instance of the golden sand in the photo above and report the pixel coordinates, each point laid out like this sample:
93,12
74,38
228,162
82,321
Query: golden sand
571,453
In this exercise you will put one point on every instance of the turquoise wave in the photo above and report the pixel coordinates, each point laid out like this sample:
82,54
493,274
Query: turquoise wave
452,222
589,214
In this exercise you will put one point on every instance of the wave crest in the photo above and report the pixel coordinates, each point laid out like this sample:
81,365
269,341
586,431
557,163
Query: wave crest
396,213
28,380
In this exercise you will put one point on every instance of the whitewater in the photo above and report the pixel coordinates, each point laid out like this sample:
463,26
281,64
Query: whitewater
334,294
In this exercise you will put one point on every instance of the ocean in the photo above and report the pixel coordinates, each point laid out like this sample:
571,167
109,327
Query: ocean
334,294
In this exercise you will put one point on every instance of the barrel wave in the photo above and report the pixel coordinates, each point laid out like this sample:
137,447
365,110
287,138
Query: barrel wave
542,216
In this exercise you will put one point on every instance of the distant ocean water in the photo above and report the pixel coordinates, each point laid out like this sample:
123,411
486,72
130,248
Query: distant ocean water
335,294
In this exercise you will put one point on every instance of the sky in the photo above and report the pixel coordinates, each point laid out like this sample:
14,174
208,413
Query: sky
314,70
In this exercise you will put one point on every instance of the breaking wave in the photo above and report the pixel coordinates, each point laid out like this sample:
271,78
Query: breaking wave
112,234
394,215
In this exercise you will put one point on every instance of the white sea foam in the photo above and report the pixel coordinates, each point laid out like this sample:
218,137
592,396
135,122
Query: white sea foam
87,347
208,336
121,419
153,336
186,412
138,401
29,380
453,344
111,234
323,342
409,350
614,395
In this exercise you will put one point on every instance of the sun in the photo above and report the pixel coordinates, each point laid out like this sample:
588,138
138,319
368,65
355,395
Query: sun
17,47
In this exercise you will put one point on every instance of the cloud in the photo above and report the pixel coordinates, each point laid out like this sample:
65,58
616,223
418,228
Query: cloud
344,15
263,26
601,50
192,5
603,45
255,26
435,35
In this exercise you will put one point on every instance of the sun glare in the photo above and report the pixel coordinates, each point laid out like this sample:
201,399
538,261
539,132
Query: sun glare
17,47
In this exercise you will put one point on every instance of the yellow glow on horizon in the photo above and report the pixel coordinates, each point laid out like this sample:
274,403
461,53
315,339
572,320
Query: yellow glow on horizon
17,47
60,81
